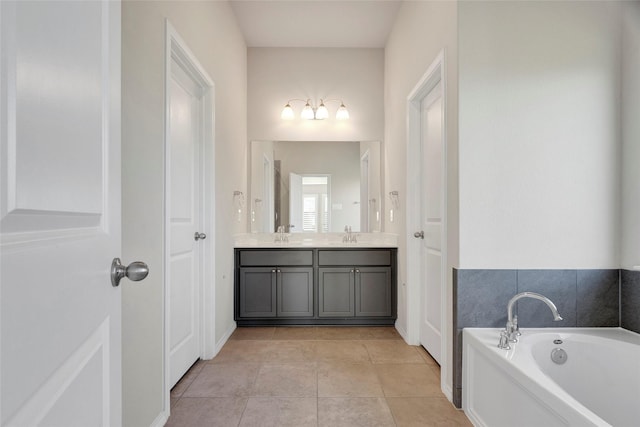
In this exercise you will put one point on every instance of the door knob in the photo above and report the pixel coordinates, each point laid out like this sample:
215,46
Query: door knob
199,236
419,234
135,271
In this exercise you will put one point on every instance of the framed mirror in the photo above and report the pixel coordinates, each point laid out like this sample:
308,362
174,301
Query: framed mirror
315,186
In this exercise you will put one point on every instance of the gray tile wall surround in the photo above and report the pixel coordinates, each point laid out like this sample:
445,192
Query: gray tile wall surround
630,300
583,297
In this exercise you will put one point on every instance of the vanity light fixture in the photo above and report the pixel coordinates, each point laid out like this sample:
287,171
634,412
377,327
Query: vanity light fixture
310,112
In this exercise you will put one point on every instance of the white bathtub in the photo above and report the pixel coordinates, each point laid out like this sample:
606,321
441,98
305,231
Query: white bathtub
599,385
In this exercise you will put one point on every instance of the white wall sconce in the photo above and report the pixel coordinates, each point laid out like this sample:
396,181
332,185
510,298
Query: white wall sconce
395,203
238,204
311,112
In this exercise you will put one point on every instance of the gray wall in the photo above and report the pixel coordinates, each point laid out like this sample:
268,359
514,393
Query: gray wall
422,29
630,135
210,31
276,75
542,146
540,108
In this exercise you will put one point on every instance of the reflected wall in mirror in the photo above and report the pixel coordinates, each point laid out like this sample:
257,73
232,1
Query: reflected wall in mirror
315,186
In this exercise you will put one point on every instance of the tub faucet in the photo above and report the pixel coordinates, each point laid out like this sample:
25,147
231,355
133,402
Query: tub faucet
512,330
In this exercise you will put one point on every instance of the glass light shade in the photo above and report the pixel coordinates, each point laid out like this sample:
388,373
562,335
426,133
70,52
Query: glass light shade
342,113
287,113
322,112
307,112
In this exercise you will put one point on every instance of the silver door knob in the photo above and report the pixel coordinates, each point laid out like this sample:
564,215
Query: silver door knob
419,234
135,271
199,236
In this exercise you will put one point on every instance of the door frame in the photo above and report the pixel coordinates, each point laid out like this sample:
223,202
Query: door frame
436,73
365,193
175,47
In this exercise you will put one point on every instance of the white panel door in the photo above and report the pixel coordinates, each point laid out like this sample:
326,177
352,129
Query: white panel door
185,219
295,203
431,221
60,213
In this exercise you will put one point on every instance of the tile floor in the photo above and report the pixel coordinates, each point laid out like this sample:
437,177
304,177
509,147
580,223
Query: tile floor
314,376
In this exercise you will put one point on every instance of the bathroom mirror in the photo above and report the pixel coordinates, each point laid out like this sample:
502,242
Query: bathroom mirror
315,186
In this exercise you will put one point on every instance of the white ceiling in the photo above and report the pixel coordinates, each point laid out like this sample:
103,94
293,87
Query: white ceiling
316,23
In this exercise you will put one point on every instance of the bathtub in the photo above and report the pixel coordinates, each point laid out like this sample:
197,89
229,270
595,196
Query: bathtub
598,385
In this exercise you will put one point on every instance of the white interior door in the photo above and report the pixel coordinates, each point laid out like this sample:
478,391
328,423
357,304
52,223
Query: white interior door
185,219
432,221
60,213
295,203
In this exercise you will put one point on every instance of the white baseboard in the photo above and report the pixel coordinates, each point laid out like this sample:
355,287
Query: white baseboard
161,420
223,340
402,332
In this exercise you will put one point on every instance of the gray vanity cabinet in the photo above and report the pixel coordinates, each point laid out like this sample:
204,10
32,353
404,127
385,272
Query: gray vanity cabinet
294,290
336,292
274,283
257,292
373,291
287,286
363,289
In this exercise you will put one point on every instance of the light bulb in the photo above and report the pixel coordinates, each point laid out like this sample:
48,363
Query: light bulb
307,112
342,113
287,113
322,112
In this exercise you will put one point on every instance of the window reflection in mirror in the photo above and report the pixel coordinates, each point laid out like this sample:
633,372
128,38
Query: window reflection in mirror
315,187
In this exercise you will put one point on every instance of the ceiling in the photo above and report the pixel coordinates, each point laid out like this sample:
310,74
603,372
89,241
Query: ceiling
316,23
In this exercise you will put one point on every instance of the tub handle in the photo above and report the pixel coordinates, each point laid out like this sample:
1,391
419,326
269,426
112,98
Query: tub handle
504,341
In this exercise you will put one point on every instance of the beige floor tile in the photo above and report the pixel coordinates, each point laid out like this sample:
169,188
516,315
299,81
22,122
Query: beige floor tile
187,379
345,379
316,376
393,351
346,351
253,333
354,412
206,412
224,380
427,357
290,351
356,332
280,412
408,380
173,401
295,333
426,412
244,351
382,333
288,380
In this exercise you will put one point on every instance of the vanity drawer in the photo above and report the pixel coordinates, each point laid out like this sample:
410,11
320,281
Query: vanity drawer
354,257
277,257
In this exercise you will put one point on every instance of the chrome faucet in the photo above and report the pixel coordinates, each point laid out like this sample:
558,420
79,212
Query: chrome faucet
512,330
349,237
280,235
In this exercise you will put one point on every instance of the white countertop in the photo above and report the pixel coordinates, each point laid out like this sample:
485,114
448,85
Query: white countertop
316,240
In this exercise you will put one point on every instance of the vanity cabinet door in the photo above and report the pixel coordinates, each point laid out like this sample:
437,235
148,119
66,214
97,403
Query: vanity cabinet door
336,291
373,291
257,292
295,291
